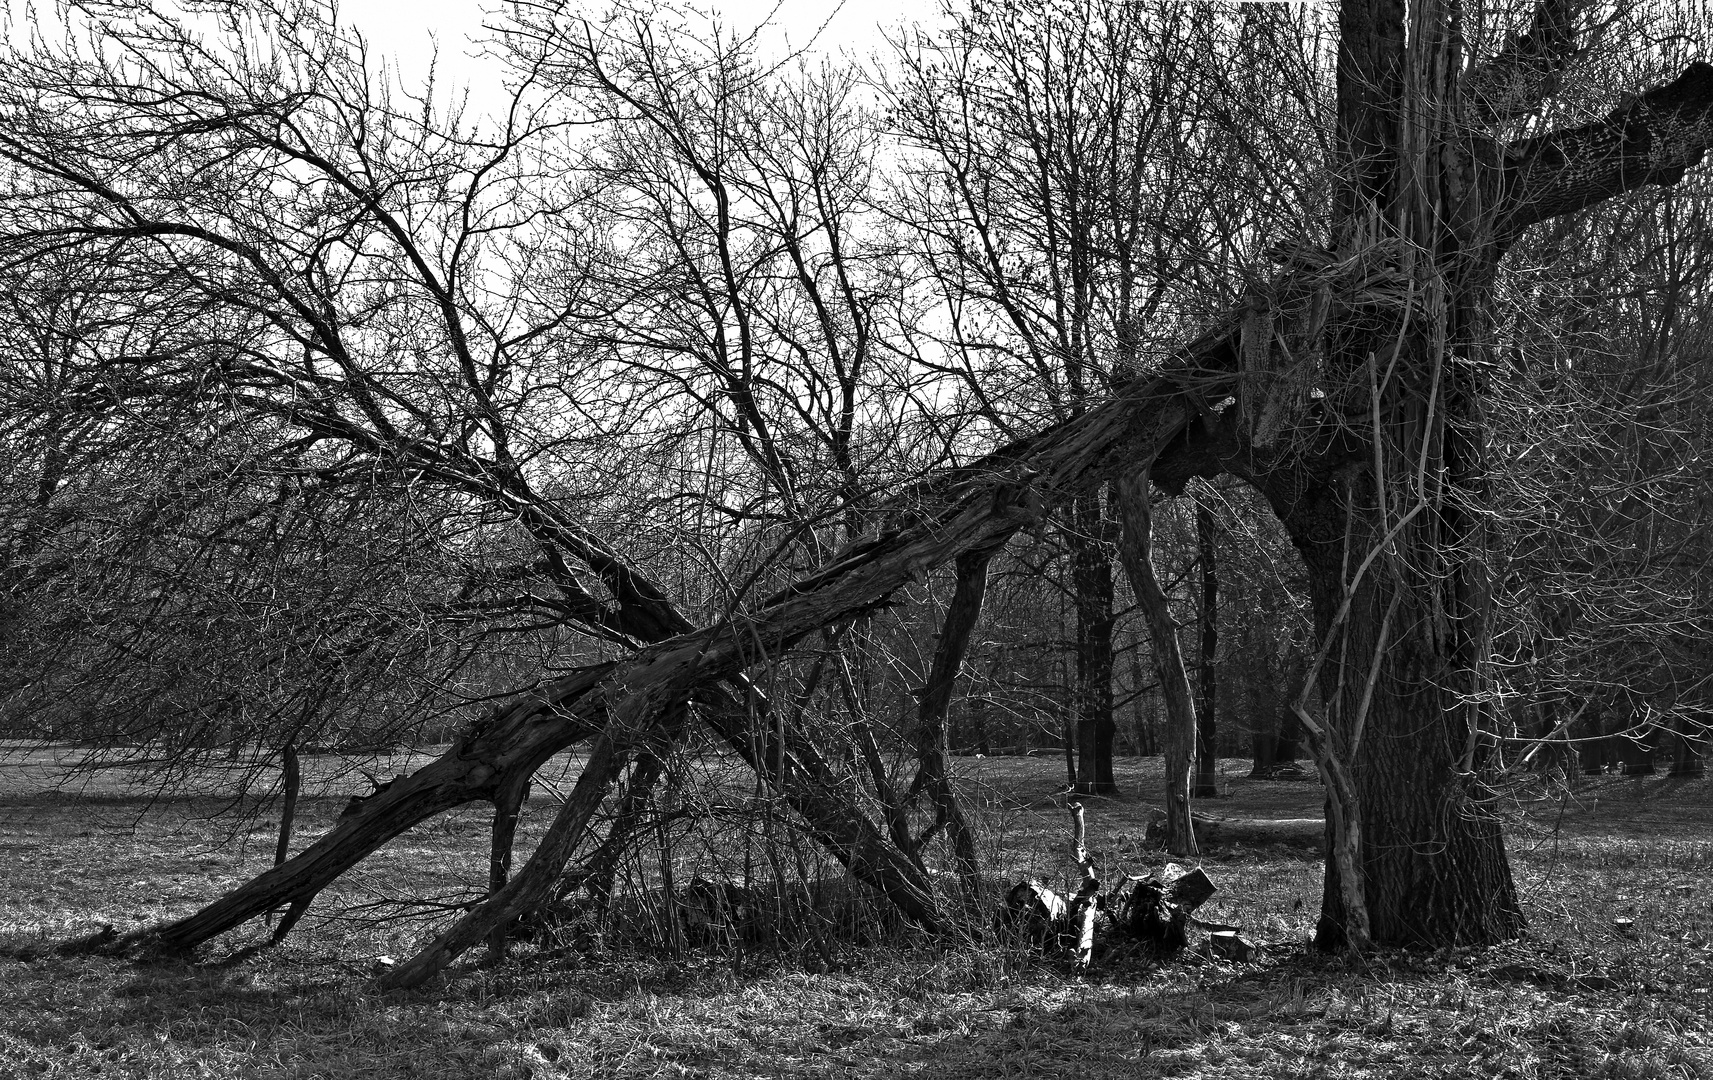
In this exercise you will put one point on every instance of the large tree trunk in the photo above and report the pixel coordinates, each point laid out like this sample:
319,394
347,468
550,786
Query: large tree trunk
1395,544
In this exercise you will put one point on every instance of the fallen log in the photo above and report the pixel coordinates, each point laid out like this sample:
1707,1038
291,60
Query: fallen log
1214,831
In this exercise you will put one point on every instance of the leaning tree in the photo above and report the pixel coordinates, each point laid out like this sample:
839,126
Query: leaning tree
1347,388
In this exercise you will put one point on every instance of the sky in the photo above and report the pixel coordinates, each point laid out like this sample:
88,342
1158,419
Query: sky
406,32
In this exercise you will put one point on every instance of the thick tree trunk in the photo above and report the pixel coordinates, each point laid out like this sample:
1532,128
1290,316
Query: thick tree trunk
1135,550
1206,784
1262,742
1690,762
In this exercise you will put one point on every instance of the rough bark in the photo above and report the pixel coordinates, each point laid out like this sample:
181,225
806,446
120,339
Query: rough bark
1404,743
1523,74
1135,551
1651,139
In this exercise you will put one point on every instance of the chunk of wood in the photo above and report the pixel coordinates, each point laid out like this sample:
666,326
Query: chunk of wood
1157,908
1187,889
1033,913
1228,943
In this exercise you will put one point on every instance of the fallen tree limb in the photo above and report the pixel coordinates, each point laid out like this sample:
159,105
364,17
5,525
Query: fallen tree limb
519,738
977,507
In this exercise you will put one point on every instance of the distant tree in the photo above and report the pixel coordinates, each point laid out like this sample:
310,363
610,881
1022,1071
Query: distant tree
1057,194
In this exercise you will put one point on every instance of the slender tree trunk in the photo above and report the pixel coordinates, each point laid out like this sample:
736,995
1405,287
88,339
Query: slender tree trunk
599,872
293,781
1091,573
932,748
1207,766
532,885
1135,550
508,806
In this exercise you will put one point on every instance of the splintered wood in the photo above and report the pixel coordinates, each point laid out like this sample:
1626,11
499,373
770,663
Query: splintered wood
1155,910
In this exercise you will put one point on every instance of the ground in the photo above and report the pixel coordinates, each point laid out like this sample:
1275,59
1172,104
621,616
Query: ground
1612,981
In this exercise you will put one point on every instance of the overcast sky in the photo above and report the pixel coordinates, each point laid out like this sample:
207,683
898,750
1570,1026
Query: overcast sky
406,31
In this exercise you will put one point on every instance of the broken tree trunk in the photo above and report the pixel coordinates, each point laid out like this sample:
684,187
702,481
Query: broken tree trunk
1082,908
518,738
608,755
1157,908
971,508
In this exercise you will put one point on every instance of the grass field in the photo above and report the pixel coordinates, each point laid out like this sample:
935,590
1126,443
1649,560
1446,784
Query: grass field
1585,995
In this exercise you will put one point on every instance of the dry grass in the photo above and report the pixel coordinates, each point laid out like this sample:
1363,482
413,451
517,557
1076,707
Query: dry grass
1584,996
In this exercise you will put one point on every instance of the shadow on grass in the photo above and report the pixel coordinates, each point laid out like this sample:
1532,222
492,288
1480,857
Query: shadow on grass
1528,1009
